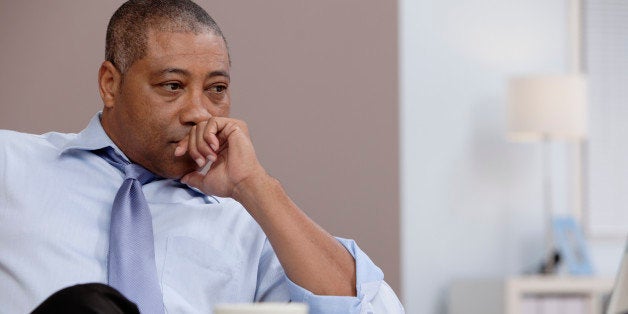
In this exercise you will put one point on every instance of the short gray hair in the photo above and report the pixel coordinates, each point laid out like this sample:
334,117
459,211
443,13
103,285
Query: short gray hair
127,32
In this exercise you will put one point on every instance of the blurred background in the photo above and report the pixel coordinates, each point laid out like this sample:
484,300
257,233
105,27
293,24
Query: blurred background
387,123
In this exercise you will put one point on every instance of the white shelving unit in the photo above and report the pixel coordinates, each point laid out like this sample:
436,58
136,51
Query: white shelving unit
530,295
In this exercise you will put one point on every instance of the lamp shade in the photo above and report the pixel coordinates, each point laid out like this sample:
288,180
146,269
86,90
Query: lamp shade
547,107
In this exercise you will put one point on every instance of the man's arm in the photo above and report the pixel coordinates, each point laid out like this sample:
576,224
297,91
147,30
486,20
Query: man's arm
310,256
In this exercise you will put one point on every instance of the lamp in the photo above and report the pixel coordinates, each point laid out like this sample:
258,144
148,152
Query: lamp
544,109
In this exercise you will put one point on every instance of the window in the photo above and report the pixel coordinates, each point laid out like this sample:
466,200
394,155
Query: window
605,31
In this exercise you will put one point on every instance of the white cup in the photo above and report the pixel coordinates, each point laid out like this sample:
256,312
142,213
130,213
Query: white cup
261,308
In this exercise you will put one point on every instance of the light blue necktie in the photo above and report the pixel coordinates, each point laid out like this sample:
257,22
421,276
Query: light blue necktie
131,266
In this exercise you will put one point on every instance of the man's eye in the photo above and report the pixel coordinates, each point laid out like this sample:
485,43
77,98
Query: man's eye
219,89
172,86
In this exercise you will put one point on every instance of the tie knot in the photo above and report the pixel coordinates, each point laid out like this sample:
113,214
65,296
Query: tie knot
131,171
135,171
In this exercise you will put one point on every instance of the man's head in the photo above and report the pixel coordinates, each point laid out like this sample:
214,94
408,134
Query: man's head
166,70
128,28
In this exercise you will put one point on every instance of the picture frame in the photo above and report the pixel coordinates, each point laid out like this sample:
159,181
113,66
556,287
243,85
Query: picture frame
570,242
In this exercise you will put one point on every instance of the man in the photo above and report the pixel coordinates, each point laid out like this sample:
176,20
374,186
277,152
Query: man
76,208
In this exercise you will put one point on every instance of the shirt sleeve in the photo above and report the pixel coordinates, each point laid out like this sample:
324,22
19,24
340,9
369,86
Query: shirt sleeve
374,296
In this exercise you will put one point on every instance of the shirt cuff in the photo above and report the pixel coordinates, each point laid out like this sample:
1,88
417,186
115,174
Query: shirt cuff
369,277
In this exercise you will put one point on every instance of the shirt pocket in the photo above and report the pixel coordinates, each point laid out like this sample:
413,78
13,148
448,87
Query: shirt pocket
197,276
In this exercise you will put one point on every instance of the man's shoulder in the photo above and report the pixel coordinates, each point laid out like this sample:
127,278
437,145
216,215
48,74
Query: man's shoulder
13,141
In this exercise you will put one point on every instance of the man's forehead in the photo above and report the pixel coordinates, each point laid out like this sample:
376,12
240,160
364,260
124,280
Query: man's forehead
163,44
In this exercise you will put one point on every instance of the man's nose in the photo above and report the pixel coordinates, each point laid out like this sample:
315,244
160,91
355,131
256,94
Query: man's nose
195,110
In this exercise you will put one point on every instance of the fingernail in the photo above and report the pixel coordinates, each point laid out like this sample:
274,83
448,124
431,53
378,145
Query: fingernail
214,147
200,162
178,151
205,169
211,158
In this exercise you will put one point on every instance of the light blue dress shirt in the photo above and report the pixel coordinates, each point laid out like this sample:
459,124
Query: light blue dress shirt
55,204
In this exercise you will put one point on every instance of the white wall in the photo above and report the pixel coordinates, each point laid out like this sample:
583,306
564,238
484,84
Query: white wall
471,201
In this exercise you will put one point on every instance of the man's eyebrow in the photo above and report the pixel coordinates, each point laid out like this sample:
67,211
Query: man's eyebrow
187,73
173,71
217,73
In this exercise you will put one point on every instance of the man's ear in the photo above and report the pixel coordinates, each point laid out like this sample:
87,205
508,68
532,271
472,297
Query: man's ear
108,83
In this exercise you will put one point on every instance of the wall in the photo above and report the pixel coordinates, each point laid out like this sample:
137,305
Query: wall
51,51
315,80
471,201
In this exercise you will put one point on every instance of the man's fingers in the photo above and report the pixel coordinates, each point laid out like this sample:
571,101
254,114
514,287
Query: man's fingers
194,179
202,144
208,138
182,147
193,150
231,127
214,126
211,138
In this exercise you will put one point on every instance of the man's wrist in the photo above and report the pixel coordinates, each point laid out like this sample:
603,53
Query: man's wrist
249,188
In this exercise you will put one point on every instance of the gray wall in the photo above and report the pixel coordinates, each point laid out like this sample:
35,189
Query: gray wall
315,80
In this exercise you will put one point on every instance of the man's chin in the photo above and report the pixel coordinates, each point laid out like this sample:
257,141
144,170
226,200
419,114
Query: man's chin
178,169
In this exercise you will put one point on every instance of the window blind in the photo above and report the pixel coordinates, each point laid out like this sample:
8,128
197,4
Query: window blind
605,54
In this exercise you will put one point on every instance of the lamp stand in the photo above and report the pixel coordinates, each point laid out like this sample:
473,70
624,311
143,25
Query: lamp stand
549,264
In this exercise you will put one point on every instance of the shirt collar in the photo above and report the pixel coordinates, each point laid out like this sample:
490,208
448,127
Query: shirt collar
93,137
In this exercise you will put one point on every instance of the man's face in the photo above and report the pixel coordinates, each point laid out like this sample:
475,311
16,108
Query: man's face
182,80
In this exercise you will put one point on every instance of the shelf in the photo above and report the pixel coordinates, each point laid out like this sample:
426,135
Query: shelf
507,295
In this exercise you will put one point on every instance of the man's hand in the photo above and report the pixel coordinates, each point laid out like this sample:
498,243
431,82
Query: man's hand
225,142
310,256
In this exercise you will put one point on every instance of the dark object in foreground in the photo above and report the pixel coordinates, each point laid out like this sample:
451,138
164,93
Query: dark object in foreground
92,298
